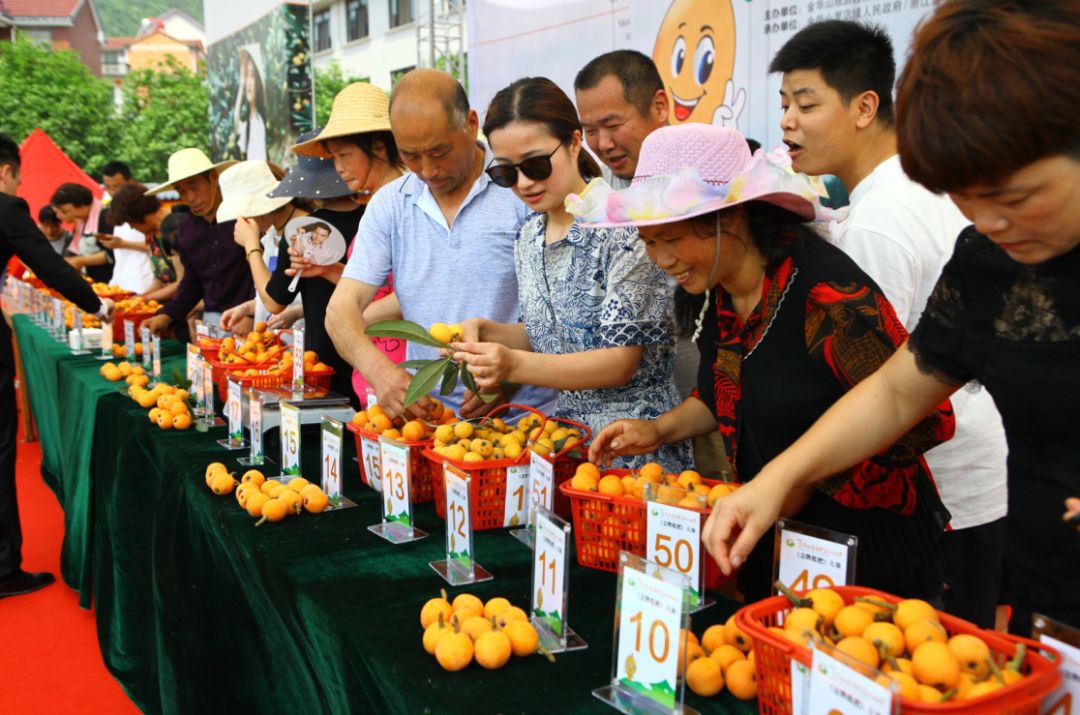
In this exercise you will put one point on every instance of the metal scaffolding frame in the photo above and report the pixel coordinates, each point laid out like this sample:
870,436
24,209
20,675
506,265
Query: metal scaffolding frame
440,36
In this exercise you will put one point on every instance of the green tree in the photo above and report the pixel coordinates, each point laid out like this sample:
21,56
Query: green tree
53,90
328,82
165,109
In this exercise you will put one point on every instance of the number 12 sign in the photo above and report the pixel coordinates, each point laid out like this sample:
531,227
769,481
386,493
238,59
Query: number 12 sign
460,565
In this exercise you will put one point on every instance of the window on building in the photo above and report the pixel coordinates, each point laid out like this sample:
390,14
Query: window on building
356,19
402,12
322,30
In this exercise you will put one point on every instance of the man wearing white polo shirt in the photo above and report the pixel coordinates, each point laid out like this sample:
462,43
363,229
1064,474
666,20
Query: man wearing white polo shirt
445,232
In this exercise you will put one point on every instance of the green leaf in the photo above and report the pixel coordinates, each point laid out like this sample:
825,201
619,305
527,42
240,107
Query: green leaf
470,384
416,364
450,378
425,380
403,330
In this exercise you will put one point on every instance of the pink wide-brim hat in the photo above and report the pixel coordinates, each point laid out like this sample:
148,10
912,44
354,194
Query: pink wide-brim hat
694,169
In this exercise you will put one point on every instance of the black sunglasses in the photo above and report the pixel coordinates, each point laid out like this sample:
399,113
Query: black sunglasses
536,168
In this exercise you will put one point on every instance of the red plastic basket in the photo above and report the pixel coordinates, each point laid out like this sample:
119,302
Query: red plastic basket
773,654
488,486
605,525
223,371
420,469
135,316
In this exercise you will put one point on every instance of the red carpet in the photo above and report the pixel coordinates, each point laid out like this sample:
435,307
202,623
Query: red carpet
49,654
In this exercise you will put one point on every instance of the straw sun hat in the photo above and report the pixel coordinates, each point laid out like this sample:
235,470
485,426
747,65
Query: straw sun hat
186,163
244,189
694,169
359,108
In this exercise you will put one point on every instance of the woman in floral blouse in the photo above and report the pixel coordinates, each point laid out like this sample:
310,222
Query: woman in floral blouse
596,313
786,325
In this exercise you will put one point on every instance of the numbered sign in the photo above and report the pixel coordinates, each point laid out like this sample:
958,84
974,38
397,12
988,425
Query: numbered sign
1065,700
550,583
208,387
107,339
191,357
650,613
129,340
144,338
255,430
541,481
371,454
155,349
809,557
518,498
397,524
673,540
837,686
298,360
201,331
290,439
459,567
233,413
331,459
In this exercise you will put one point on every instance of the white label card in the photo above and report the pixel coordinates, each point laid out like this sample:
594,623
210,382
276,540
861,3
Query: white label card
397,502
129,340
155,343
233,409
837,687
144,338
650,618
458,520
208,386
255,421
549,574
518,500
298,360
541,481
77,327
331,458
808,562
1066,699
371,454
290,439
673,540
190,365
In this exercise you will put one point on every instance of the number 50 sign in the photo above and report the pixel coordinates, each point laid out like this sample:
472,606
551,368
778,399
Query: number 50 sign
809,557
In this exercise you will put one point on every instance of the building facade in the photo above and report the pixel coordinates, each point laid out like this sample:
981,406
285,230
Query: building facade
60,24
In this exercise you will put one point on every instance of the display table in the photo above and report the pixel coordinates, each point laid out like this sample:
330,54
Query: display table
199,611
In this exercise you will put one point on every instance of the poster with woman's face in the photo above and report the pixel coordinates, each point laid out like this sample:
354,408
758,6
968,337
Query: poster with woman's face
316,239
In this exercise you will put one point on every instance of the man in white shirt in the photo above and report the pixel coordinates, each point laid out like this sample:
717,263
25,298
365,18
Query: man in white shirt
838,119
132,270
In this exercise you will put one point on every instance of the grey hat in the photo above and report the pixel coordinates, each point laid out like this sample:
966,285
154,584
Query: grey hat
312,177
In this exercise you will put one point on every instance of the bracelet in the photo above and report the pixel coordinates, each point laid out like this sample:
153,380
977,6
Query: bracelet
254,250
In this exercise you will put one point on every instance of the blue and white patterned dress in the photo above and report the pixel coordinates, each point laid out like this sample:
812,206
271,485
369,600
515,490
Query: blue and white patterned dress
597,289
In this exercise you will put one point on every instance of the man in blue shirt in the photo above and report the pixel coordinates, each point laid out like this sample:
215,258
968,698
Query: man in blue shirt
444,231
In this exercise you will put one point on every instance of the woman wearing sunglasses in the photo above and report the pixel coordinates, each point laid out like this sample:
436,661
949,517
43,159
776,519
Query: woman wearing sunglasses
595,311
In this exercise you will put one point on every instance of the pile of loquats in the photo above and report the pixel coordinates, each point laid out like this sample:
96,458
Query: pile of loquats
466,629
167,404
686,489
496,439
267,499
723,657
375,421
905,640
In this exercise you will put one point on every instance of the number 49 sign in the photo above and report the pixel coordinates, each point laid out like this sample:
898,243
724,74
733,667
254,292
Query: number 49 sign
809,557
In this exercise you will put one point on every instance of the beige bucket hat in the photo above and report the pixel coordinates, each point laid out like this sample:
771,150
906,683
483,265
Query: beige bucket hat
359,108
244,189
186,163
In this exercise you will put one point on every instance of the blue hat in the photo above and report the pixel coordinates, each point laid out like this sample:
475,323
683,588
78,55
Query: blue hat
312,177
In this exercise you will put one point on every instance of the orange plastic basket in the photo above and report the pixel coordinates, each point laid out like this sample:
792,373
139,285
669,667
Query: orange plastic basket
264,379
773,654
420,469
488,486
605,525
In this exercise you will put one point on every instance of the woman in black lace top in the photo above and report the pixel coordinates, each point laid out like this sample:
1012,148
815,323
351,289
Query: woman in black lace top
986,112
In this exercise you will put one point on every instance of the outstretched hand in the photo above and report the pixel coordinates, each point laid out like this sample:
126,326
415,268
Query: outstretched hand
624,437
739,520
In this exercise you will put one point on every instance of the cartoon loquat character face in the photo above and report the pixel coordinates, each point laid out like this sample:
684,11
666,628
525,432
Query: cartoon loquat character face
695,54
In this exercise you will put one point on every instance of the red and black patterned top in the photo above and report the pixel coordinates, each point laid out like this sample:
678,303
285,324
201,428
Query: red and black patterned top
845,329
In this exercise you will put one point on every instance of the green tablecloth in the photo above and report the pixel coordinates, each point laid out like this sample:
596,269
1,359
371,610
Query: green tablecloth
198,611
65,394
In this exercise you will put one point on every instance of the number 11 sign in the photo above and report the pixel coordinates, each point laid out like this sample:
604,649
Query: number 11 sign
459,567
550,584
